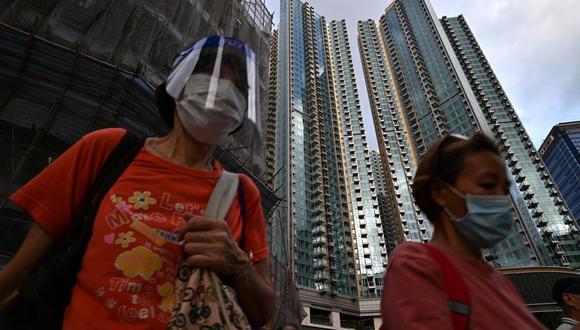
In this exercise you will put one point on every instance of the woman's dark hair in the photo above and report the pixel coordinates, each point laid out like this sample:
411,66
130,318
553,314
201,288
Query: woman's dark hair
443,162
165,104
233,59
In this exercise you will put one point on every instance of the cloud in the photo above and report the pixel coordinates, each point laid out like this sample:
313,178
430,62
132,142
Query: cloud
533,47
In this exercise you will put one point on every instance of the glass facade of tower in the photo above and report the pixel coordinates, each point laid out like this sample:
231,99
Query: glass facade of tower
395,144
442,84
433,103
309,172
392,236
561,154
547,221
369,237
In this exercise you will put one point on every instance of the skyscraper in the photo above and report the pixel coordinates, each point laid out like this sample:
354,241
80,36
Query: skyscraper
561,154
395,146
427,77
321,167
308,159
392,232
369,241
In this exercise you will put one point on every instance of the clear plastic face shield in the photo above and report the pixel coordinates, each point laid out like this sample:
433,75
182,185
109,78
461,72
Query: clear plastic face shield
219,72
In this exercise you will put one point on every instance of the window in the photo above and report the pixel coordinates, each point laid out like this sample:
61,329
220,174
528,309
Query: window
318,316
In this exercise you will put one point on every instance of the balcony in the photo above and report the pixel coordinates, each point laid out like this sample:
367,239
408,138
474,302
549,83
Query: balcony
319,252
528,195
520,178
513,161
541,223
547,232
320,264
318,220
321,276
524,185
562,210
318,230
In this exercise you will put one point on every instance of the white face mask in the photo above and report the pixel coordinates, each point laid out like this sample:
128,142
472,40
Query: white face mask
209,122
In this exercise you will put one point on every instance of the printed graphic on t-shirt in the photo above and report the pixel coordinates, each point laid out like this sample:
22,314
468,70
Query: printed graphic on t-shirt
143,229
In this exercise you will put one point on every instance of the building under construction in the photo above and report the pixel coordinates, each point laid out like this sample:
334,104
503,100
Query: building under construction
71,67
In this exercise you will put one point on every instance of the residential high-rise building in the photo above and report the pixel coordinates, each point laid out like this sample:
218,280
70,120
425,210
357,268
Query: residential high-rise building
321,168
308,160
395,147
552,218
369,240
392,233
561,154
427,77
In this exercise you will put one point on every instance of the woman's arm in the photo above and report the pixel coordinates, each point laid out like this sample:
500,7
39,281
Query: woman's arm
255,293
52,199
33,250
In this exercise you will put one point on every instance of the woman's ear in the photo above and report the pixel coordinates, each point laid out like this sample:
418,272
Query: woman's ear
569,300
437,189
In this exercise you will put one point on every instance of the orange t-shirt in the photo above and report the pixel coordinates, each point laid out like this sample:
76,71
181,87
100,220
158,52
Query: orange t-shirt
127,276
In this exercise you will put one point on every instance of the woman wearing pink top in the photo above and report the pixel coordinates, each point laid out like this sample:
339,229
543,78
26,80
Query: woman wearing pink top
462,186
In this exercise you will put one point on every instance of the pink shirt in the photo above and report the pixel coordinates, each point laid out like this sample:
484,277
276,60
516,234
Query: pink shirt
414,296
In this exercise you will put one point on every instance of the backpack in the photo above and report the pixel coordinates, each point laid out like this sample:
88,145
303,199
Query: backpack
44,296
459,299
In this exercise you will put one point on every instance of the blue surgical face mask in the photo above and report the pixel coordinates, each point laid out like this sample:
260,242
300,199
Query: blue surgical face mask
488,219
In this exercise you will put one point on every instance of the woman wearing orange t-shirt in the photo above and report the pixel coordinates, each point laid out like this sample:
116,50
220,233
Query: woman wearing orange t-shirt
126,279
462,186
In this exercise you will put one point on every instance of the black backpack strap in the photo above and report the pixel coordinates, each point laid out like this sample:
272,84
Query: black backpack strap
118,160
47,292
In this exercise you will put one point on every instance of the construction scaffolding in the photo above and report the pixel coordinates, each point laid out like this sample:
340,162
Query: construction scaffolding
143,37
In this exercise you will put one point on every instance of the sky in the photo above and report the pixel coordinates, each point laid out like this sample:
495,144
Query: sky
533,46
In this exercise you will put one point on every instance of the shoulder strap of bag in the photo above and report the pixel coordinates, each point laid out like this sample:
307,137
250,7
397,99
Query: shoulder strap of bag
222,196
226,188
217,207
116,163
459,299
